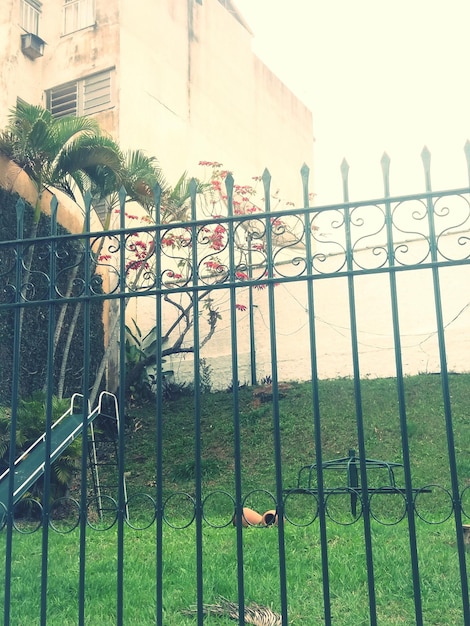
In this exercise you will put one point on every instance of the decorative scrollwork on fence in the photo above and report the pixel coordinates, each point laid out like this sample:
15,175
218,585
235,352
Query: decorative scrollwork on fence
432,504
259,247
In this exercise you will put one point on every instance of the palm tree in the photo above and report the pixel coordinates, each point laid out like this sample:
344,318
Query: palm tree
70,154
140,174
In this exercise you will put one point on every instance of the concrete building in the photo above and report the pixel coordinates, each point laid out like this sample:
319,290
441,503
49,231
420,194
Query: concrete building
175,78
178,79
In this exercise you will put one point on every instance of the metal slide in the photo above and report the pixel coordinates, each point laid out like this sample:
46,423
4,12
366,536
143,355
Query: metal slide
30,465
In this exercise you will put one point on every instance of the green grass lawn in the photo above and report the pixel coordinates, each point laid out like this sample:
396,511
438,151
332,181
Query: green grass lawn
437,551
348,579
426,433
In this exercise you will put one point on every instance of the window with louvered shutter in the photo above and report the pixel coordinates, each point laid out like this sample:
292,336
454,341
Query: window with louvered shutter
86,96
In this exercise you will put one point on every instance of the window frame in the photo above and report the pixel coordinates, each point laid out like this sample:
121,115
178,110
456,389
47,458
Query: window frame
77,14
82,97
30,15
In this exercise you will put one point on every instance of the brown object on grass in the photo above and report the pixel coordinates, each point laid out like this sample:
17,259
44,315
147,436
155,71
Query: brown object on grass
249,518
269,518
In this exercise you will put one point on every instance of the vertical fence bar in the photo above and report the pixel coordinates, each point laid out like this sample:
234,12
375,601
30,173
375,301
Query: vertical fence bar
229,182
20,207
121,403
316,402
158,413
358,399
426,157
197,408
83,507
385,162
275,382
49,386
251,314
85,404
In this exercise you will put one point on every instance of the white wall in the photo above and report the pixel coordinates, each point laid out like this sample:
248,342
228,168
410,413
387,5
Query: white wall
192,90
375,333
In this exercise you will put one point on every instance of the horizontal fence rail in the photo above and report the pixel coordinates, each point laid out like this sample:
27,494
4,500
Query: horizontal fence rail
399,239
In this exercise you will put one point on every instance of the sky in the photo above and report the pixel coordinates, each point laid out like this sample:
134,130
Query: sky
379,77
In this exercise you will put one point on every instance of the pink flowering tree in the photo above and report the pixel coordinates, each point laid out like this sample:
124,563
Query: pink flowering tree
176,244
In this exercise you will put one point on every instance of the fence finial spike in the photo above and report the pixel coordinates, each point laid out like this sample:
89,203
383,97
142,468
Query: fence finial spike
426,157
466,149
385,161
385,164
344,175
20,207
55,202
229,185
305,173
229,182
266,177
193,186
122,194
157,192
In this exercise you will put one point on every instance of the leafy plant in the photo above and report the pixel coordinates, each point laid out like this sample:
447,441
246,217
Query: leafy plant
141,373
232,385
205,371
34,334
31,424
173,390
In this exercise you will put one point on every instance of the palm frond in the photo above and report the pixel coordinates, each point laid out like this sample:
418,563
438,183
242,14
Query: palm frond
175,202
140,165
254,613
141,174
66,130
94,163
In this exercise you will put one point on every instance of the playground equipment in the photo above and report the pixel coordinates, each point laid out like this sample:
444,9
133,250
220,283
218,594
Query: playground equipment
31,464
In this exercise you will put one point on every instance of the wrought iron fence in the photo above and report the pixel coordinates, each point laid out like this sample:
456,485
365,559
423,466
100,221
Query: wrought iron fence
188,265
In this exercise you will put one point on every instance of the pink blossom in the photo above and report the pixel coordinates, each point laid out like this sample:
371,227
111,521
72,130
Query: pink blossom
213,265
241,275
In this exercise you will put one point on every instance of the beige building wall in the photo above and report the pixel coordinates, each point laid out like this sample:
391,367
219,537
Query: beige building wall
332,323
186,85
19,76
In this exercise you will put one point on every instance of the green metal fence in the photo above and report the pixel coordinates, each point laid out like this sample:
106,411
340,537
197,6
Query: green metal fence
100,275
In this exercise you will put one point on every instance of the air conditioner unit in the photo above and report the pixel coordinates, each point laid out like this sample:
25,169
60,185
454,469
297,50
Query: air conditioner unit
32,45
